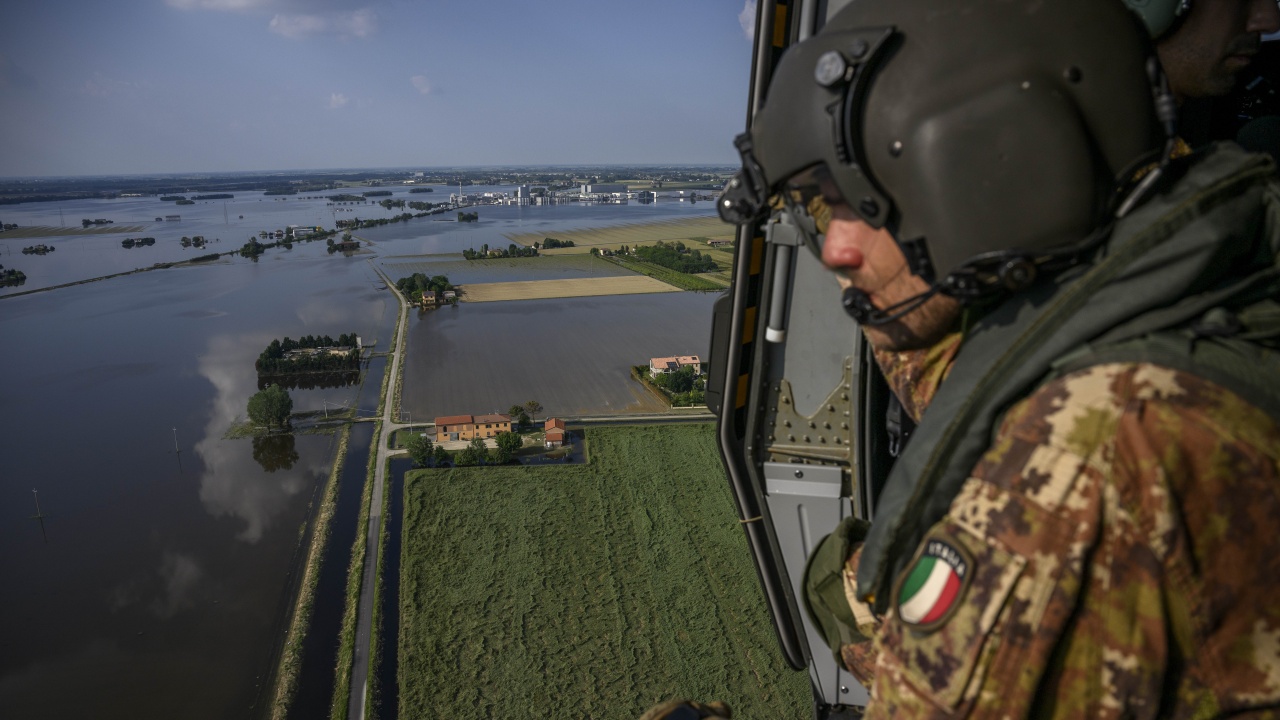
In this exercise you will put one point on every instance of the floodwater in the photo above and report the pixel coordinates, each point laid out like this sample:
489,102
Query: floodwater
156,583
572,355
320,651
386,695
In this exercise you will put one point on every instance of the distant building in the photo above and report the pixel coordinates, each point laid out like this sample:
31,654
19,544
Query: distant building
662,365
555,432
430,299
598,188
467,427
173,218
720,243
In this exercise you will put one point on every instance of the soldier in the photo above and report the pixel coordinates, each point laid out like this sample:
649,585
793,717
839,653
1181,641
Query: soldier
1204,44
1080,525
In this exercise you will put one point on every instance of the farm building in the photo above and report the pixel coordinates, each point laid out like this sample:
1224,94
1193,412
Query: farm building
660,365
466,427
555,432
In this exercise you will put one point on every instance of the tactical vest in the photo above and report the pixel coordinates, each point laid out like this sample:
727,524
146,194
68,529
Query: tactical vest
1190,280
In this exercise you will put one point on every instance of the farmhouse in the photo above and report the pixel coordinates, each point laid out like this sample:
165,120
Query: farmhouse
466,427
555,432
661,365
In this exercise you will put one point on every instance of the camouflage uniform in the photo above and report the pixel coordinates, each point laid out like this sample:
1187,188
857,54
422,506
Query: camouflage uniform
1120,561
1113,554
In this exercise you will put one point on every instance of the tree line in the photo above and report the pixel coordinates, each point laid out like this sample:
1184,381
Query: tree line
426,453
676,256
512,250
273,360
682,387
416,284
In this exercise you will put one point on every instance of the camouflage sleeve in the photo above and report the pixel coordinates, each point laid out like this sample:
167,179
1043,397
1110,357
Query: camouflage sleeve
914,375
1112,555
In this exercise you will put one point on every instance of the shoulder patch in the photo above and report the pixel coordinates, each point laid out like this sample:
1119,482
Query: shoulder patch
930,590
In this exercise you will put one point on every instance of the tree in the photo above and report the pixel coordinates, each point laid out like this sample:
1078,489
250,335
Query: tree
534,407
474,453
515,411
508,444
440,457
421,449
271,406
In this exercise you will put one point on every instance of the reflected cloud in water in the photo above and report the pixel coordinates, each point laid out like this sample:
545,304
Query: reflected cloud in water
233,482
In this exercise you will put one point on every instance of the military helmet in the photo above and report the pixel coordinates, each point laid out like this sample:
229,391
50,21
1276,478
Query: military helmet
976,132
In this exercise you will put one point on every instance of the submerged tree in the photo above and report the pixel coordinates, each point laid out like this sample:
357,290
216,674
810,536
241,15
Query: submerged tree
271,407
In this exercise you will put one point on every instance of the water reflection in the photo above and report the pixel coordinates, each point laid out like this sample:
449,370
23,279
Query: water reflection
230,485
275,452
310,381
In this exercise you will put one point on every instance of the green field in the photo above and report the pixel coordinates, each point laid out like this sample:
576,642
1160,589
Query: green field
684,281
587,591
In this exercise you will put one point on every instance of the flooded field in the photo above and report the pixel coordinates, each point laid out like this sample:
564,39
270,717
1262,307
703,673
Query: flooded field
573,356
157,582
157,585
461,271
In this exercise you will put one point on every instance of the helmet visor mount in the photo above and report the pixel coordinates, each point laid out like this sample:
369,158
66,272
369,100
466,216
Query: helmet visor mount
811,120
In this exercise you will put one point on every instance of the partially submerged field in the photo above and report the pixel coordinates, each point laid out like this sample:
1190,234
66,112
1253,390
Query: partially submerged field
615,236
581,287
587,591
39,231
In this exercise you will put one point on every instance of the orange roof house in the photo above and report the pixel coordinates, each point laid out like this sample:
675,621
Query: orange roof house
467,427
660,365
555,432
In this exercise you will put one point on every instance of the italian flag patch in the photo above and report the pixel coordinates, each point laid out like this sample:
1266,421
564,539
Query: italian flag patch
931,589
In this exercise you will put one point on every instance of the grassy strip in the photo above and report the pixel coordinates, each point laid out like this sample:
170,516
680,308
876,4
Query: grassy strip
684,281
375,627
391,355
347,636
291,654
603,587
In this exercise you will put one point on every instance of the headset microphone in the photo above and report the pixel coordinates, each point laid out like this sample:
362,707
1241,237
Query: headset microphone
858,305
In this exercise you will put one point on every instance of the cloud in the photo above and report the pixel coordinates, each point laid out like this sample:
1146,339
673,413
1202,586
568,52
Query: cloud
179,575
337,100
420,82
360,23
234,484
747,19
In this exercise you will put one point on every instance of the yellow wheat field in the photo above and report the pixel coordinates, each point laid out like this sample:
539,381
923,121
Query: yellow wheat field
613,237
576,287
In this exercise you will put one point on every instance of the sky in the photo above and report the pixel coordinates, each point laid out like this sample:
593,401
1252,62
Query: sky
93,87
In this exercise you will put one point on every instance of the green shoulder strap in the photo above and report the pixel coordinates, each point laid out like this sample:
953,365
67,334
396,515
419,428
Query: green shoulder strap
1237,350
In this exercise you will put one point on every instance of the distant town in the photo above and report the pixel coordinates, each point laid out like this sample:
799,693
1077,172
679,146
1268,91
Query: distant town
542,184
